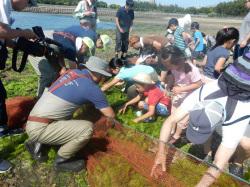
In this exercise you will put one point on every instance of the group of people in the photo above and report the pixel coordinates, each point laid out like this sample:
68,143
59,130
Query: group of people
163,79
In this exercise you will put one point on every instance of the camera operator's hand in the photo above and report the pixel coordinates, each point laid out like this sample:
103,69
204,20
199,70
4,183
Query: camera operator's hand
29,34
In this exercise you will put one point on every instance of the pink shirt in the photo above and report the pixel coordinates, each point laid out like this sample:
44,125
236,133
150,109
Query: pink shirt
183,79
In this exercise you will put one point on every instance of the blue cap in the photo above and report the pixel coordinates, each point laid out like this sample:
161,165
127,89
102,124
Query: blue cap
173,21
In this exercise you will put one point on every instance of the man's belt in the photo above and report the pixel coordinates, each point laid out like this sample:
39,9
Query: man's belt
40,120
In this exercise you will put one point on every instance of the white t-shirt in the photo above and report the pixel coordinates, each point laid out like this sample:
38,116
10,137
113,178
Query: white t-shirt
245,27
232,134
5,12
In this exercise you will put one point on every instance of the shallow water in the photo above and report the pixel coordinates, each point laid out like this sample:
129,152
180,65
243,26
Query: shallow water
50,21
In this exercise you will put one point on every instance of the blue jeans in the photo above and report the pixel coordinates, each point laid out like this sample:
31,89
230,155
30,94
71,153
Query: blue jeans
3,113
238,51
161,109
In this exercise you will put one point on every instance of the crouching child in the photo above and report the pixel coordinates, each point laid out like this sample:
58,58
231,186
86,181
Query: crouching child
151,98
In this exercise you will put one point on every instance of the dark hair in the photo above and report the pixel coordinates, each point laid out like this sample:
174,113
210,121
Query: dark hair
195,25
98,36
203,34
175,56
116,63
225,35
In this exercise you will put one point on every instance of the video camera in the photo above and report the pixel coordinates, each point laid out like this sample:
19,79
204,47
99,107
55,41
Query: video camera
40,47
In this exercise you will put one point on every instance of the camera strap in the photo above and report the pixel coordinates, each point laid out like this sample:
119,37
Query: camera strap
3,55
23,61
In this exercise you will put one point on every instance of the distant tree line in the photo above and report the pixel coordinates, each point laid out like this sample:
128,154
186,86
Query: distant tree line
232,8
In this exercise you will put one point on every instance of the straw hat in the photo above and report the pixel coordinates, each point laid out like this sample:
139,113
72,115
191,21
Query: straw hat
145,78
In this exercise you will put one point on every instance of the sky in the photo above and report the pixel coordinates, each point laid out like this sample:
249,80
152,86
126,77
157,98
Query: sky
181,3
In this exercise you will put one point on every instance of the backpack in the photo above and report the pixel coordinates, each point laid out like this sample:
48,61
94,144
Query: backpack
235,80
229,108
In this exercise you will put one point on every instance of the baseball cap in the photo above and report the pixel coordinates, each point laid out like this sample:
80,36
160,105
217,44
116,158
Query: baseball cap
32,3
130,3
203,119
88,41
97,65
146,78
172,21
106,40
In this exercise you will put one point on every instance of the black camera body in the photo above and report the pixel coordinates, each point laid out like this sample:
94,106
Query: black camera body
40,47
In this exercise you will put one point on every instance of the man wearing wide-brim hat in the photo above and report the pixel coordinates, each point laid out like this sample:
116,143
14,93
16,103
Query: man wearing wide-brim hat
226,111
50,120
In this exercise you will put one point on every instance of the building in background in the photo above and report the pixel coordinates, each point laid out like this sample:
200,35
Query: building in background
150,1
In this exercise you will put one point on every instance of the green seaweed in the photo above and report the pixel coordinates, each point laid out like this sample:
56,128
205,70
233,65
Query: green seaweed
190,172
115,171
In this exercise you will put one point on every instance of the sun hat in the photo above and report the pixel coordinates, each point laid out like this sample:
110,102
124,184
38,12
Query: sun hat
146,78
88,41
97,65
203,119
185,21
235,80
106,40
172,21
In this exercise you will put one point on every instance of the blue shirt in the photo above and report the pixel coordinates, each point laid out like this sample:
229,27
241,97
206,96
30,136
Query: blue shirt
198,36
78,31
125,18
68,45
81,90
212,57
128,73
69,48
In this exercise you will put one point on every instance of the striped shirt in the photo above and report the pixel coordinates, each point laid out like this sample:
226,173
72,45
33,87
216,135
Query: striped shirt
179,41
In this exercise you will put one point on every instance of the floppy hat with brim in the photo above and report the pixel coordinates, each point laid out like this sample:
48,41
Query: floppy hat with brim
106,40
97,65
185,21
88,41
145,78
203,119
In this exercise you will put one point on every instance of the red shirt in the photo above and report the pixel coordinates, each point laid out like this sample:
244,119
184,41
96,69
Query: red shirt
156,95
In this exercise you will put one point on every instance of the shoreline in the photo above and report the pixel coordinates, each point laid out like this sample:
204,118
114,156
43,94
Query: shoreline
63,9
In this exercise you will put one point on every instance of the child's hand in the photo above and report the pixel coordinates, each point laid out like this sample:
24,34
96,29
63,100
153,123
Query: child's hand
136,120
243,43
176,90
123,109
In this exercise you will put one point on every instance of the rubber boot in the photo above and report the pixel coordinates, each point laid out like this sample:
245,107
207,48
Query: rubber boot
36,150
70,165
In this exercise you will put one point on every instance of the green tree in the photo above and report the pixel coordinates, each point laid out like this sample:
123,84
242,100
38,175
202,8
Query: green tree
101,4
114,6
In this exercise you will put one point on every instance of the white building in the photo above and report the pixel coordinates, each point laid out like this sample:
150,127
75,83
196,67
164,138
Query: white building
150,1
